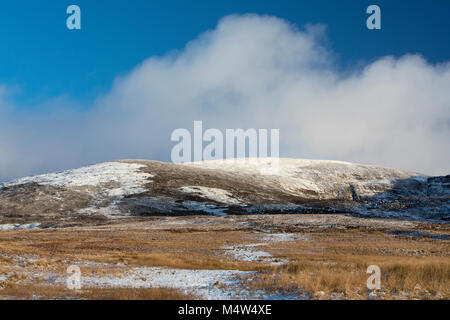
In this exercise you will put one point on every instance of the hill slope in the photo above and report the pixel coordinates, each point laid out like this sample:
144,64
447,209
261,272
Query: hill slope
130,188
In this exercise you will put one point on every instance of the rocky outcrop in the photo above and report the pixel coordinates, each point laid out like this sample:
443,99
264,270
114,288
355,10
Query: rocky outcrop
438,186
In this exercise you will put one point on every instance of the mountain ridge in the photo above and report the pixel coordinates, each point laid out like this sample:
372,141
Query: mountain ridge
129,188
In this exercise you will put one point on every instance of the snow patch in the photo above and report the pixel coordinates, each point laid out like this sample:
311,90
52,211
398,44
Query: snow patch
215,194
285,237
246,253
17,226
112,211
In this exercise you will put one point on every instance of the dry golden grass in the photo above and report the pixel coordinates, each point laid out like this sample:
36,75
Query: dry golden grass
332,260
46,292
135,294
131,246
400,278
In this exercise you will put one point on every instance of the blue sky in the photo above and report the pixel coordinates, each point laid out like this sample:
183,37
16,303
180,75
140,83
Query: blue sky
137,70
42,59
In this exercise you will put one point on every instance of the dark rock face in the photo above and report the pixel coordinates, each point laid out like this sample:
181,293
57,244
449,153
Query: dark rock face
438,186
411,199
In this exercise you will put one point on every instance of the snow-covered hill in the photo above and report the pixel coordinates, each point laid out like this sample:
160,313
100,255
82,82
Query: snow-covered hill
129,188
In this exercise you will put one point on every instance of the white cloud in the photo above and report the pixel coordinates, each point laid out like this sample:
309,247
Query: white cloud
251,71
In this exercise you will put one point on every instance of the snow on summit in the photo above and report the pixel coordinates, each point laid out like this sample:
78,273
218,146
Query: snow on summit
325,178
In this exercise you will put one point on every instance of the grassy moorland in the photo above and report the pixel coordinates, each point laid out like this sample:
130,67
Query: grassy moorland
304,256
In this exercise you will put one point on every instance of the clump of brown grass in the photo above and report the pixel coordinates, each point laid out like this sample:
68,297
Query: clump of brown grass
12,290
46,292
399,279
135,294
417,277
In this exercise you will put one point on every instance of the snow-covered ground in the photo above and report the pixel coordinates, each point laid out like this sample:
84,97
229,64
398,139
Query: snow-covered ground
285,237
207,284
248,253
215,194
251,252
